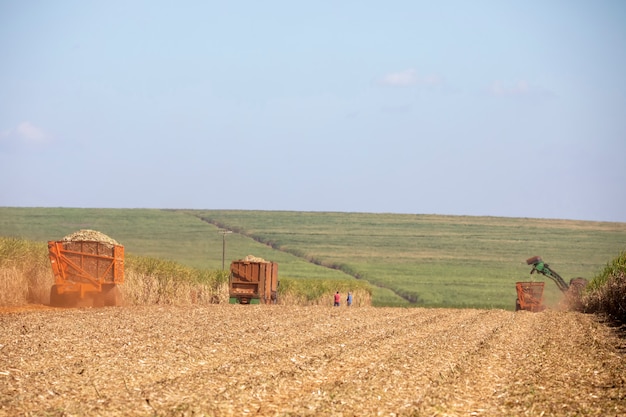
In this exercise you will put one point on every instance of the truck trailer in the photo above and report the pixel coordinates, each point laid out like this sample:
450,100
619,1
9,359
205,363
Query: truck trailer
253,280
87,265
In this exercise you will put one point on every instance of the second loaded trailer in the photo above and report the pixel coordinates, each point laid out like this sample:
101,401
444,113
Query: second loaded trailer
253,281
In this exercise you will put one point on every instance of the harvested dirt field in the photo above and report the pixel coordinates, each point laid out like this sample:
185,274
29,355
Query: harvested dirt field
278,360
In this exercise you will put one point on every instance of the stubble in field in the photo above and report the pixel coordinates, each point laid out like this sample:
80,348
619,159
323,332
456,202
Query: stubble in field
284,360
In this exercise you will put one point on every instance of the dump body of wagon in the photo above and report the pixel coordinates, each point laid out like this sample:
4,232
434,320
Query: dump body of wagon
529,296
253,282
86,270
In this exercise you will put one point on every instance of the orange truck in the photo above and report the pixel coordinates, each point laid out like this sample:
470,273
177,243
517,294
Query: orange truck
86,267
253,281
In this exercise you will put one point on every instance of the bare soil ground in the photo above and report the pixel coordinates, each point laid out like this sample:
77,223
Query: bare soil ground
278,360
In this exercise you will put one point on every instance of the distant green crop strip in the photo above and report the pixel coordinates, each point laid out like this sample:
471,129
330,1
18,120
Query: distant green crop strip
410,259
429,260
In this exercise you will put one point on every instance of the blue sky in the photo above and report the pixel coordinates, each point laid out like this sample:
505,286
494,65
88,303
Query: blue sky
498,108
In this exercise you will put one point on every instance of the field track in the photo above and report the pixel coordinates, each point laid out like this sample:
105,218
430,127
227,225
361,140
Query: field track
278,360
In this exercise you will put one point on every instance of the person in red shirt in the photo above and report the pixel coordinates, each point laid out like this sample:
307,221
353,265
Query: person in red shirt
337,299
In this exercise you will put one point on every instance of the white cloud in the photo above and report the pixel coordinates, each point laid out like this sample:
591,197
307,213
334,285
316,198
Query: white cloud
31,133
407,78
25,134
402,78
520,88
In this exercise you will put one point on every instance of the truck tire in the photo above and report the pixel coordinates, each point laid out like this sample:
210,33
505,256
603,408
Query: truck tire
112,295
98,300
56,299
62,300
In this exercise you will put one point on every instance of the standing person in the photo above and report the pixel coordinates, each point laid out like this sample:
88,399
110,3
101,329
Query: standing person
337,299
349,299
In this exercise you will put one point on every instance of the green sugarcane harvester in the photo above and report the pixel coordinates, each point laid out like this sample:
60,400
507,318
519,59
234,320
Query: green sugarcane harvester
530,294
544,269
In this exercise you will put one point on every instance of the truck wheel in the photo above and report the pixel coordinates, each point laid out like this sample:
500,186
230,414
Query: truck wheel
62,300
518,307
112,295
98,300
56,300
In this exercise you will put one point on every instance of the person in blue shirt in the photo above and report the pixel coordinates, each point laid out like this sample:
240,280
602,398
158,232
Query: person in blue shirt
349,299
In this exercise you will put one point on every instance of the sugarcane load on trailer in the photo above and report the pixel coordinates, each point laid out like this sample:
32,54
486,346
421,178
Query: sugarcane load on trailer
530,294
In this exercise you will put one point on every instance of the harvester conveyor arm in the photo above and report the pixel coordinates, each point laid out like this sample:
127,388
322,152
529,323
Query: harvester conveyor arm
544,269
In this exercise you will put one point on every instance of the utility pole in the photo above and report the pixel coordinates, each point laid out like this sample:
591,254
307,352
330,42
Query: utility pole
223,233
